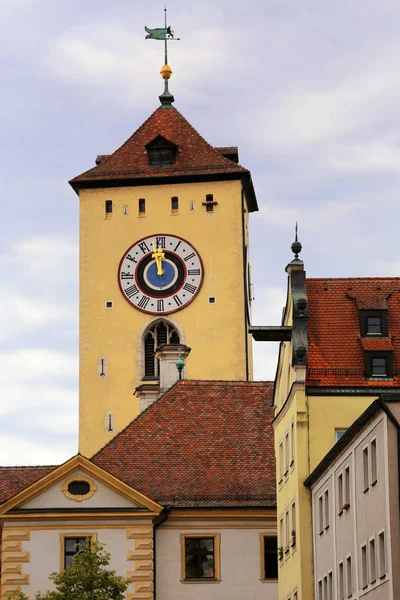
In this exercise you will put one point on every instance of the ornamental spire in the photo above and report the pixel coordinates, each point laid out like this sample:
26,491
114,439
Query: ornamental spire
167,34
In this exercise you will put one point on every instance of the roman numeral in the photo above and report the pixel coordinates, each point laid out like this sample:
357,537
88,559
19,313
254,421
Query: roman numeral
126,276
144,247
193,271
178,301
129,257
131,291
144,300
177,246
189,256
160,305
190,288
160,242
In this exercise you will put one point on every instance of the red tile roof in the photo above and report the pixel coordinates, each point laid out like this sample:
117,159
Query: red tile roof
203,443
15,479
195,156
335,348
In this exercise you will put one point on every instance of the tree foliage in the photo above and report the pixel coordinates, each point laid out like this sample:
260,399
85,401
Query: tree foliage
87,578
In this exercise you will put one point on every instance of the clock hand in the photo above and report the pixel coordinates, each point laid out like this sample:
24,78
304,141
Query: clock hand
158,256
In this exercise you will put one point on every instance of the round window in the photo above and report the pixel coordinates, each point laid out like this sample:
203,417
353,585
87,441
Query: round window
79,488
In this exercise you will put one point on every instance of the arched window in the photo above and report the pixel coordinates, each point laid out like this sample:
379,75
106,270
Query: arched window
160,333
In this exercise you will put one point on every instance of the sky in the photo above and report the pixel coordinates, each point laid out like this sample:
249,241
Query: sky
309,91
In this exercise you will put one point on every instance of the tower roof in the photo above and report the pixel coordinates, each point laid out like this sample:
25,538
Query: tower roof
196,159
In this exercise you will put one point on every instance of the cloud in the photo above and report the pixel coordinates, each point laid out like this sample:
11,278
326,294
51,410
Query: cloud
19,450
312,217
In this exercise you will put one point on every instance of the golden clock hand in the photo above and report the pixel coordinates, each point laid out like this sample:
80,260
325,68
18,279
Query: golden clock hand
158,256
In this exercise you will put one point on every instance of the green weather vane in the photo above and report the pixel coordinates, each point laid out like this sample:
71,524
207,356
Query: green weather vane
167,35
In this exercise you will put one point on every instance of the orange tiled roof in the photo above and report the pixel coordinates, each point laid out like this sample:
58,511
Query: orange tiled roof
202,443
15,479
195,156
335,345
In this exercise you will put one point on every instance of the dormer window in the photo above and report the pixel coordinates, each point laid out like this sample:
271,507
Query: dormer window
374,323
161,153
379,365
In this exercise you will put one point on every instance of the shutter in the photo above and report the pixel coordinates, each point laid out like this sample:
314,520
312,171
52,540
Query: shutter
161,334
149,355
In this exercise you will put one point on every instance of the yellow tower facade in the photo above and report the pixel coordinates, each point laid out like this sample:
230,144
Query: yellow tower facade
163,260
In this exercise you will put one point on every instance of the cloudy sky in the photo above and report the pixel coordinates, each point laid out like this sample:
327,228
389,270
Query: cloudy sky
309,91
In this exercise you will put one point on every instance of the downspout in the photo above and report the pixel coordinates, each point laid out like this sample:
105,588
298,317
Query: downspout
246,332
167,510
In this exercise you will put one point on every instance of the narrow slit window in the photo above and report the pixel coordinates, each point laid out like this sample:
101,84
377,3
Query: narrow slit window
349,575
286,453
174,204
125,209
320,591
341,581
287,531
347,487
293,532
291,444
321,514
340,493
142,206
364,567
280,456
374,472
281,542
109,208
330,586
209,203
382,556
372,561
365,469
326,586
326,502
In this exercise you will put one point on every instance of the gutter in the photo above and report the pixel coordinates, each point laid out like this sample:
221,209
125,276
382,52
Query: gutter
167,510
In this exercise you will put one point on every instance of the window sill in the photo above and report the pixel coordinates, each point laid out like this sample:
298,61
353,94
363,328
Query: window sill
210,580
366,490
374,483
269,580
150,378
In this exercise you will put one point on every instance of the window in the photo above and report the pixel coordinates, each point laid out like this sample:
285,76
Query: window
379,364
109,422
340,493
200,557
339,433
372,561
347,488
326,587
330,586
174,204
349,577
209,203
280,459
341,581
286,453
364,571
381,555
287,531
321,514
161,153
281,540
142,206
71,545
293,532
379,367
109,207
374,323
269,557
109,304
374,326
291,443
160,333
365,468
125,209
374,473
78,488
326,509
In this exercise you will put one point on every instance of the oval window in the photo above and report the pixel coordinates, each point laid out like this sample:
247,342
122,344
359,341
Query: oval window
79,488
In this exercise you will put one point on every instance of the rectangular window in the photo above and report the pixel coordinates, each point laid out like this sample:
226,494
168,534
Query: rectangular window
200,557
372,561
341,581
346,488
291,444
326,587
280,457
174,204
379,367
365,469
364,567
320,592
209,203
326,507
374,323
330,586
374,326
340,493
382,555
321,514
295,595
349,577
109,208
374,472
269,557
293,532
142,206
287,531
281,540
286,453
71,544
339,433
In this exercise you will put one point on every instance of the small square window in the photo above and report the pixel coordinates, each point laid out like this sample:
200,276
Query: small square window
109,304
71,545
339,433
211,300
200,557
379,364
379,367
374,323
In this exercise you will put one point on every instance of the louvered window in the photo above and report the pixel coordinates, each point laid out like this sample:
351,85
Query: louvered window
161,333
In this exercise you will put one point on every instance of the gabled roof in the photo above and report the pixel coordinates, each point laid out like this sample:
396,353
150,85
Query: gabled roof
15,479
196,159
335,355
203,443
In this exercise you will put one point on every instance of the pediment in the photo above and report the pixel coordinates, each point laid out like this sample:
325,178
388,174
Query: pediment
80,485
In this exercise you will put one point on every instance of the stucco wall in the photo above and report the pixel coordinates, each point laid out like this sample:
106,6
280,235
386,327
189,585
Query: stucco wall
240,567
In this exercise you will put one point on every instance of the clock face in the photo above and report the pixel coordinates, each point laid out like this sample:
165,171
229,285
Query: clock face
160,274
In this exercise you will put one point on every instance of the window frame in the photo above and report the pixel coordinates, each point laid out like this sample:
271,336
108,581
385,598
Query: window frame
263,578
375,314
72,536
387,355
217,557
78,497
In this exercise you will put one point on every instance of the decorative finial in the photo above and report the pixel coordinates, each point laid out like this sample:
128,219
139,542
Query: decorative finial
180,363
164,33
296,246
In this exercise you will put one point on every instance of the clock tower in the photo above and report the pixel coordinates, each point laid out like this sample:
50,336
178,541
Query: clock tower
163,260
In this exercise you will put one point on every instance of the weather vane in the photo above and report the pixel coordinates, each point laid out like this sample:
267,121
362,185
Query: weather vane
168,35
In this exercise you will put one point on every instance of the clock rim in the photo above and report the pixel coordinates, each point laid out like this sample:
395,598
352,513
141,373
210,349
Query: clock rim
178,307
